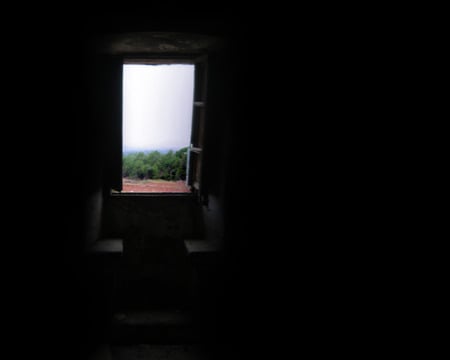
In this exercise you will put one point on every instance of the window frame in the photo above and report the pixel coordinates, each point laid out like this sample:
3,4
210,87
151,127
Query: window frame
194,172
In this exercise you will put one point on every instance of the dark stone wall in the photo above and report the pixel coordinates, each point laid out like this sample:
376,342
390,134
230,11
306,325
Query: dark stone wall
155,270
302,88
153,217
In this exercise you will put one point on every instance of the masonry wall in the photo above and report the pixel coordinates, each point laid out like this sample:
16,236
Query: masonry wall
155,269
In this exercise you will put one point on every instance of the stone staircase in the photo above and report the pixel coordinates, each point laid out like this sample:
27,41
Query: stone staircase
137,321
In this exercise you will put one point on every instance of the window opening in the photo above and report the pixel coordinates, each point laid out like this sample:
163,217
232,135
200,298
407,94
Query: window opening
158,106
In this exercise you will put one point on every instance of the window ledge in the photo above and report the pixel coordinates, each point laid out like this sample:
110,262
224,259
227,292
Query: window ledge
144,194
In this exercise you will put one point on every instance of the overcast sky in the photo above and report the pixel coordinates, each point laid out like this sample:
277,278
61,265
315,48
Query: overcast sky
157,106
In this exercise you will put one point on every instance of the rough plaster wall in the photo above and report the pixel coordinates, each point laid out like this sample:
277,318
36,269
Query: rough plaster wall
213,219
93,214
152,217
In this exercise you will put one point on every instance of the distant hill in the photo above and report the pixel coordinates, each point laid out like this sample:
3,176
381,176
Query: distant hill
146,151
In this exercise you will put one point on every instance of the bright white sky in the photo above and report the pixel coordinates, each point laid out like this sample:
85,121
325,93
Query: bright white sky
157,106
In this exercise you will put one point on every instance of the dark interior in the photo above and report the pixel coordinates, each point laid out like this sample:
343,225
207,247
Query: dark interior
130,270
266,262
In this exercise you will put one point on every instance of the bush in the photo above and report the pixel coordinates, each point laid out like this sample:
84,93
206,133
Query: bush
154,165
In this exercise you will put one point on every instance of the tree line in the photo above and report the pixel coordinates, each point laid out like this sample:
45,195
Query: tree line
155,165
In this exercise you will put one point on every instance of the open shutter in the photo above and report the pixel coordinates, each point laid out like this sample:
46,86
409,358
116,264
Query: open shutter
195,163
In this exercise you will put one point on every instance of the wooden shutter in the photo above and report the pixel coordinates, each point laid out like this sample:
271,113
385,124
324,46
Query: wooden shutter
196,151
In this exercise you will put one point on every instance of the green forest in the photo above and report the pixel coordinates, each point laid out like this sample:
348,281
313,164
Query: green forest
155,165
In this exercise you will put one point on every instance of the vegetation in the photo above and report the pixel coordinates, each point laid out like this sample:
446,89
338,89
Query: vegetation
155,165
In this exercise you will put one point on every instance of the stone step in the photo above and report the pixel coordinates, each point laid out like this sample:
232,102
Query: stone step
205,257
107,246
159,352
105,255
154,327
202,251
